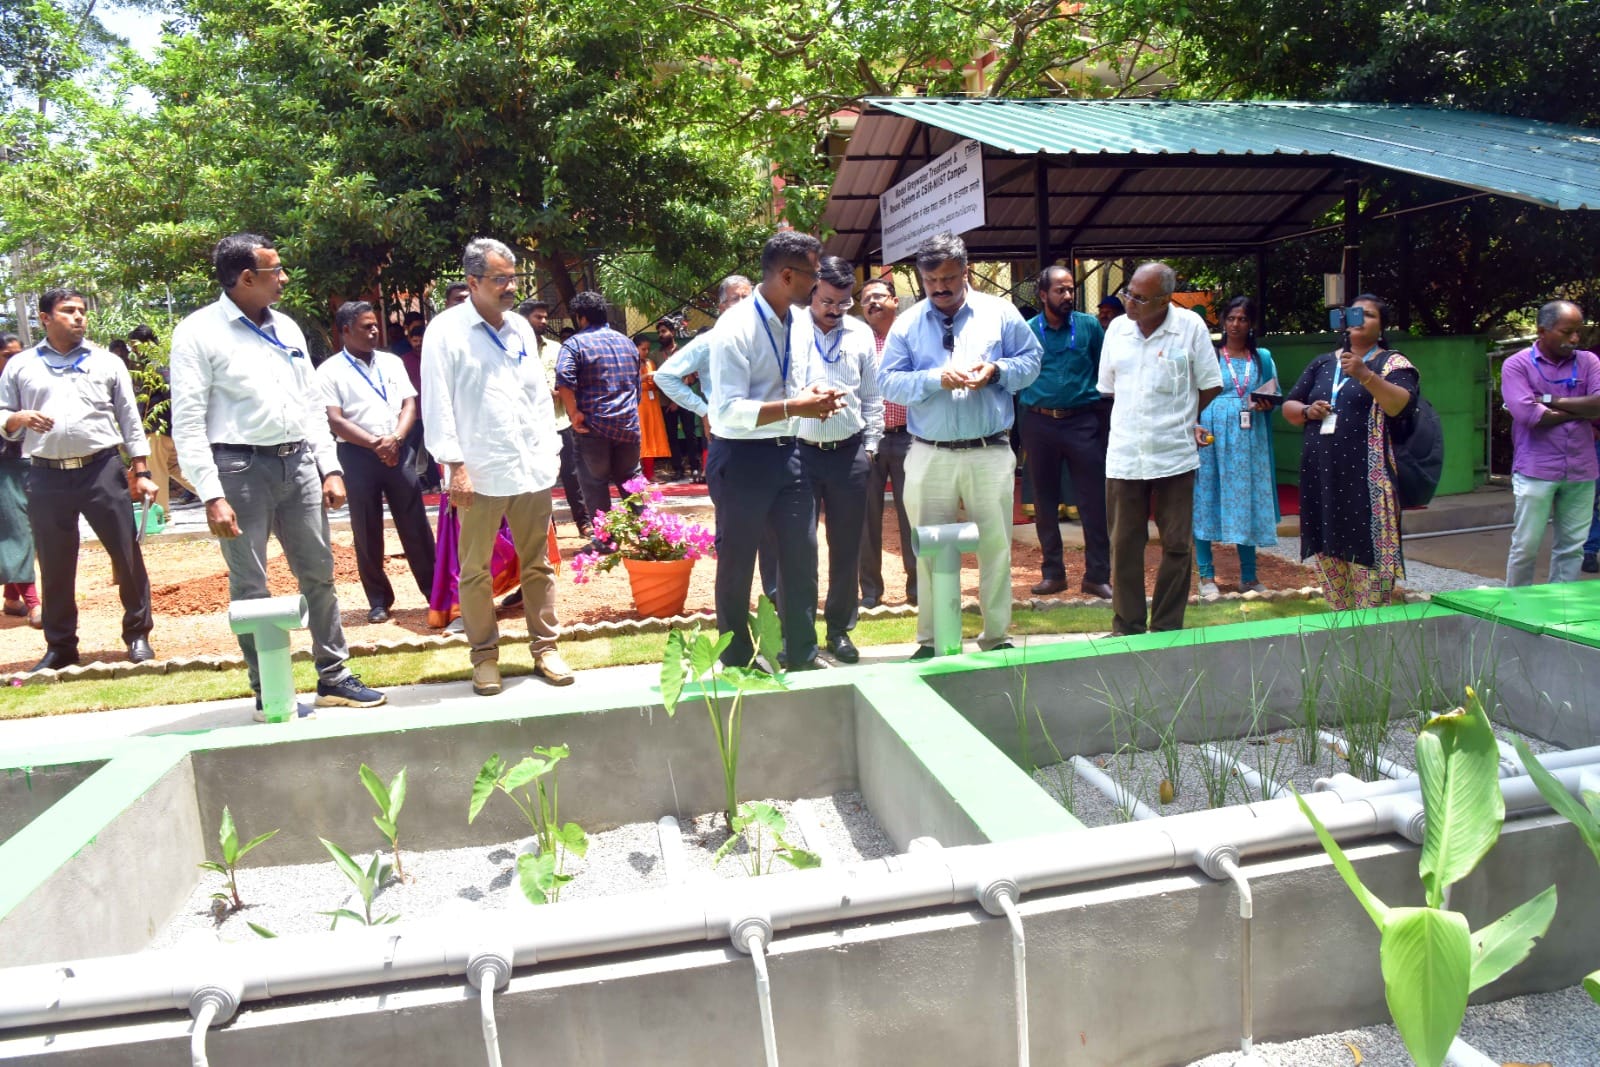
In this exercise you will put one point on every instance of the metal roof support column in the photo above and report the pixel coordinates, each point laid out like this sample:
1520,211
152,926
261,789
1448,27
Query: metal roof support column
1352,238
1261,292
1041,209
1403,297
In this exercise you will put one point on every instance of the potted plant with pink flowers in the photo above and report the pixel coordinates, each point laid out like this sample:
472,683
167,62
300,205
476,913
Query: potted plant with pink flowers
657,547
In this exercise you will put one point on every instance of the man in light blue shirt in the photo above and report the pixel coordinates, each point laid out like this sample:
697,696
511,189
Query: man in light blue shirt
754,471
955,360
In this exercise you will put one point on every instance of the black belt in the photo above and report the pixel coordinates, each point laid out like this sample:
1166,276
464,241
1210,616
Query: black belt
781,442
1061,413
971,442
288,448
887,430
833,446
73,464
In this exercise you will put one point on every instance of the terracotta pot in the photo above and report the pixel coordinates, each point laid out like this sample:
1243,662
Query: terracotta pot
660,587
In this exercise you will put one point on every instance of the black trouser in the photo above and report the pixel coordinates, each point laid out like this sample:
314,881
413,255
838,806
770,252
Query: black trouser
427,470
368,481
1078,441
838,477
571,485
99,493
685,449
756,486
603,463
890,466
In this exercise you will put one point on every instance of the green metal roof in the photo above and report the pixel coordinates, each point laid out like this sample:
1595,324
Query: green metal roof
1237,174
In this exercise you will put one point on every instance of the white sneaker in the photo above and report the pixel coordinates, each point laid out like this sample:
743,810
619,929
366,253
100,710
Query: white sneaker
458,625
1254,587
1208,591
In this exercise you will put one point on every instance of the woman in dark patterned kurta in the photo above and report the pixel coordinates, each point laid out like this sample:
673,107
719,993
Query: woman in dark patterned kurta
1349,509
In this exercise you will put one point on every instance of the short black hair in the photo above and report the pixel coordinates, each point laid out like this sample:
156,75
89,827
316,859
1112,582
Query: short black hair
1042,282
788,248
143,334
51,297
528,307
589,307
454,287
236,254
413,316
349,312
119,348
837,272
7,338
885,280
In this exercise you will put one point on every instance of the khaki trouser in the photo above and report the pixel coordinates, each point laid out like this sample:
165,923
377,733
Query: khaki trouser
528,514
165,470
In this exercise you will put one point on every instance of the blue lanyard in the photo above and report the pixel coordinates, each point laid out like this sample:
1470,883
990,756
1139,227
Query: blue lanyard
1072,329
522,349
826,357
377,386
294,353
1339,377
1571,381
77,364
781,356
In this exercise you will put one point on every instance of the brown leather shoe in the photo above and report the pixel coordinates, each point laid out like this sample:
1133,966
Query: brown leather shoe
1099,589
486,678
1049,586
552,668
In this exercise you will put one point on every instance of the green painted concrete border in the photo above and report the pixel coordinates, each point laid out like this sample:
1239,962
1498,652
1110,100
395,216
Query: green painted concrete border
1538,609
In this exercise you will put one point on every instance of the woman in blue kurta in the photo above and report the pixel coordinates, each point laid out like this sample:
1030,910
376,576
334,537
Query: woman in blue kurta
1235,490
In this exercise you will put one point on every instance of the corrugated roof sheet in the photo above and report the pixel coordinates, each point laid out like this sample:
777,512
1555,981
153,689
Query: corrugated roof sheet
1135,174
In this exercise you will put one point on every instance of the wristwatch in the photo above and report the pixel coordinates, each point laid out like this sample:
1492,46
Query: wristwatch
1546,399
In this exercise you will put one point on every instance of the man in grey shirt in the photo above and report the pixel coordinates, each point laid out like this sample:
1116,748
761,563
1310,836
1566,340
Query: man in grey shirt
76,404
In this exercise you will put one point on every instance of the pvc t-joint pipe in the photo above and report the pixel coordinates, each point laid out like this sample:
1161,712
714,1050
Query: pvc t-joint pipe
268,621
488,969
212,1004
941,547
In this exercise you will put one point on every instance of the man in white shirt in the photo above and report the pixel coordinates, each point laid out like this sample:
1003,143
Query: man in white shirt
754,471
491,422
1159,366
252,432
371,409
837,452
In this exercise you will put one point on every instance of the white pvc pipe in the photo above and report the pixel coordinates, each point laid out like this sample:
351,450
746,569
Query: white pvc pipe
1510,764
491,1030
755,944
197,1036
1256,784
1461,1054
1246,912
1386,766
1093,776
1019,970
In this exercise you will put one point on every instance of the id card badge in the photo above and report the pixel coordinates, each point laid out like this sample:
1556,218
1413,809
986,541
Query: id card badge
1244,419
1329,423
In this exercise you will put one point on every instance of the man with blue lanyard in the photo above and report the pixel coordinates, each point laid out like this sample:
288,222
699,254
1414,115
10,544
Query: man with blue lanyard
955,360
1066,422
491,421
837,452
252,432
371,409
74,405
754,472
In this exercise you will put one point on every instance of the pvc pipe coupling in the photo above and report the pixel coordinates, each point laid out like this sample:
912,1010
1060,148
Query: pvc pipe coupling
490,964
941,547
268,620
283,613
222,994
758,924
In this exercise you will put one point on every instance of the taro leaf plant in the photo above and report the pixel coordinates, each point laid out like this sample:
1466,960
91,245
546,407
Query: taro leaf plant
541,876
1431,960
1585,816
232,853
693,656
389,799
755,822
366,882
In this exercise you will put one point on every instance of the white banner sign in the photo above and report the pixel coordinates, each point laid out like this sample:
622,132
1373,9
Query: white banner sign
947,194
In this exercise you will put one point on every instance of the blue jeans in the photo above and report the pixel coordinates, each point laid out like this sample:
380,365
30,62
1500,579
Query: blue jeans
1572,504
1208,569
1592,545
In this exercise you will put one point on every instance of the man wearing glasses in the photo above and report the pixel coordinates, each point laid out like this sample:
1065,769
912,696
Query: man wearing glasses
1159,366
954,361
491,422
754,472
252,431
836,453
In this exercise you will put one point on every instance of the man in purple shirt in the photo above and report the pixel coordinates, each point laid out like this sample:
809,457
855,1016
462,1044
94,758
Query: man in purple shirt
597,378
1552,390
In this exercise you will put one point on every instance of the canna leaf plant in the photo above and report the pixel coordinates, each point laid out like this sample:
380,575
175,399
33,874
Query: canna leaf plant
1584,816
1431,960
541,876
692,656
389,800
232,853
755,822
366,882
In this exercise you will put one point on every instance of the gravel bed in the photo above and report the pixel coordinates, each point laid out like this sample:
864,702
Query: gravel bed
1420,577
1561,1029
287,899
1275,754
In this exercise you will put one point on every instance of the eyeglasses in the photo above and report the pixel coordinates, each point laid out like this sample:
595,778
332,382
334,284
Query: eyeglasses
837,305
280,270
500,280
1131,297
949,337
